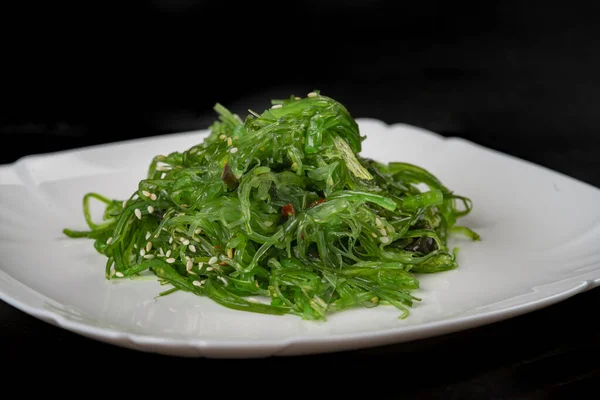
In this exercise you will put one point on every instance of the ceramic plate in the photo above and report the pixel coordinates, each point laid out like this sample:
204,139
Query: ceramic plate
540,232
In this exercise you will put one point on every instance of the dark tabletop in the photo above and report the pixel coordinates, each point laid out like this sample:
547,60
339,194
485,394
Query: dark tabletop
521,80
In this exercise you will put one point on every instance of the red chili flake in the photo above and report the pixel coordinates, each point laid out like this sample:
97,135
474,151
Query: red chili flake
287,210
316,202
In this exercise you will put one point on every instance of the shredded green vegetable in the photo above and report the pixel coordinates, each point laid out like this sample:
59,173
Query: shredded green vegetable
280,214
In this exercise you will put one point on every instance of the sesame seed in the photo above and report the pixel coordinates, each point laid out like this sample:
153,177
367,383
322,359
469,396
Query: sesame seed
373,234
185,242
197,283
171,240
142,252
192,248
378,222
277,106
189,265
124,203
230,253
297,98
148,234
200,265
148,246
233,150
223,280
229,141
198,231
146,193
384,239
312,94
161,251
152,196
170,260
168,253
150,209
209,269
213,260
112,272
383,232
223,136
109,240
149,256
138,213
119,274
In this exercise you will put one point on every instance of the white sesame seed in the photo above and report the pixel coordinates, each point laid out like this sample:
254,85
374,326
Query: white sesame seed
233,150
170,260
383,232
146,193
277,106
229,141
213,260
142,252
297,98
138,213
185,242
124,203
148,246
149,256
384,239
189,265
200,265
198,231
161,251
223,280
168,253
197,283
312,94
378,222
373,234
148,234
152,196
171,240
119,274
223,136
109,240
192,248
112,272
209,269
150,209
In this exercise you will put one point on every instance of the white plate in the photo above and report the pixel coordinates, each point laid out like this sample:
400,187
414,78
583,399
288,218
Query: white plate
540,232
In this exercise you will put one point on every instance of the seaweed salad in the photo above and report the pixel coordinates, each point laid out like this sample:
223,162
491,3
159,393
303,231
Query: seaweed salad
279,213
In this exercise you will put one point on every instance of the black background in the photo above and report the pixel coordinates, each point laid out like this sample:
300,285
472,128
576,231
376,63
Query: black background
522,78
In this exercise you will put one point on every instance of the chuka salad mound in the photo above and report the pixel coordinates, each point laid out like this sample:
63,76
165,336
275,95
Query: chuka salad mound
279,214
